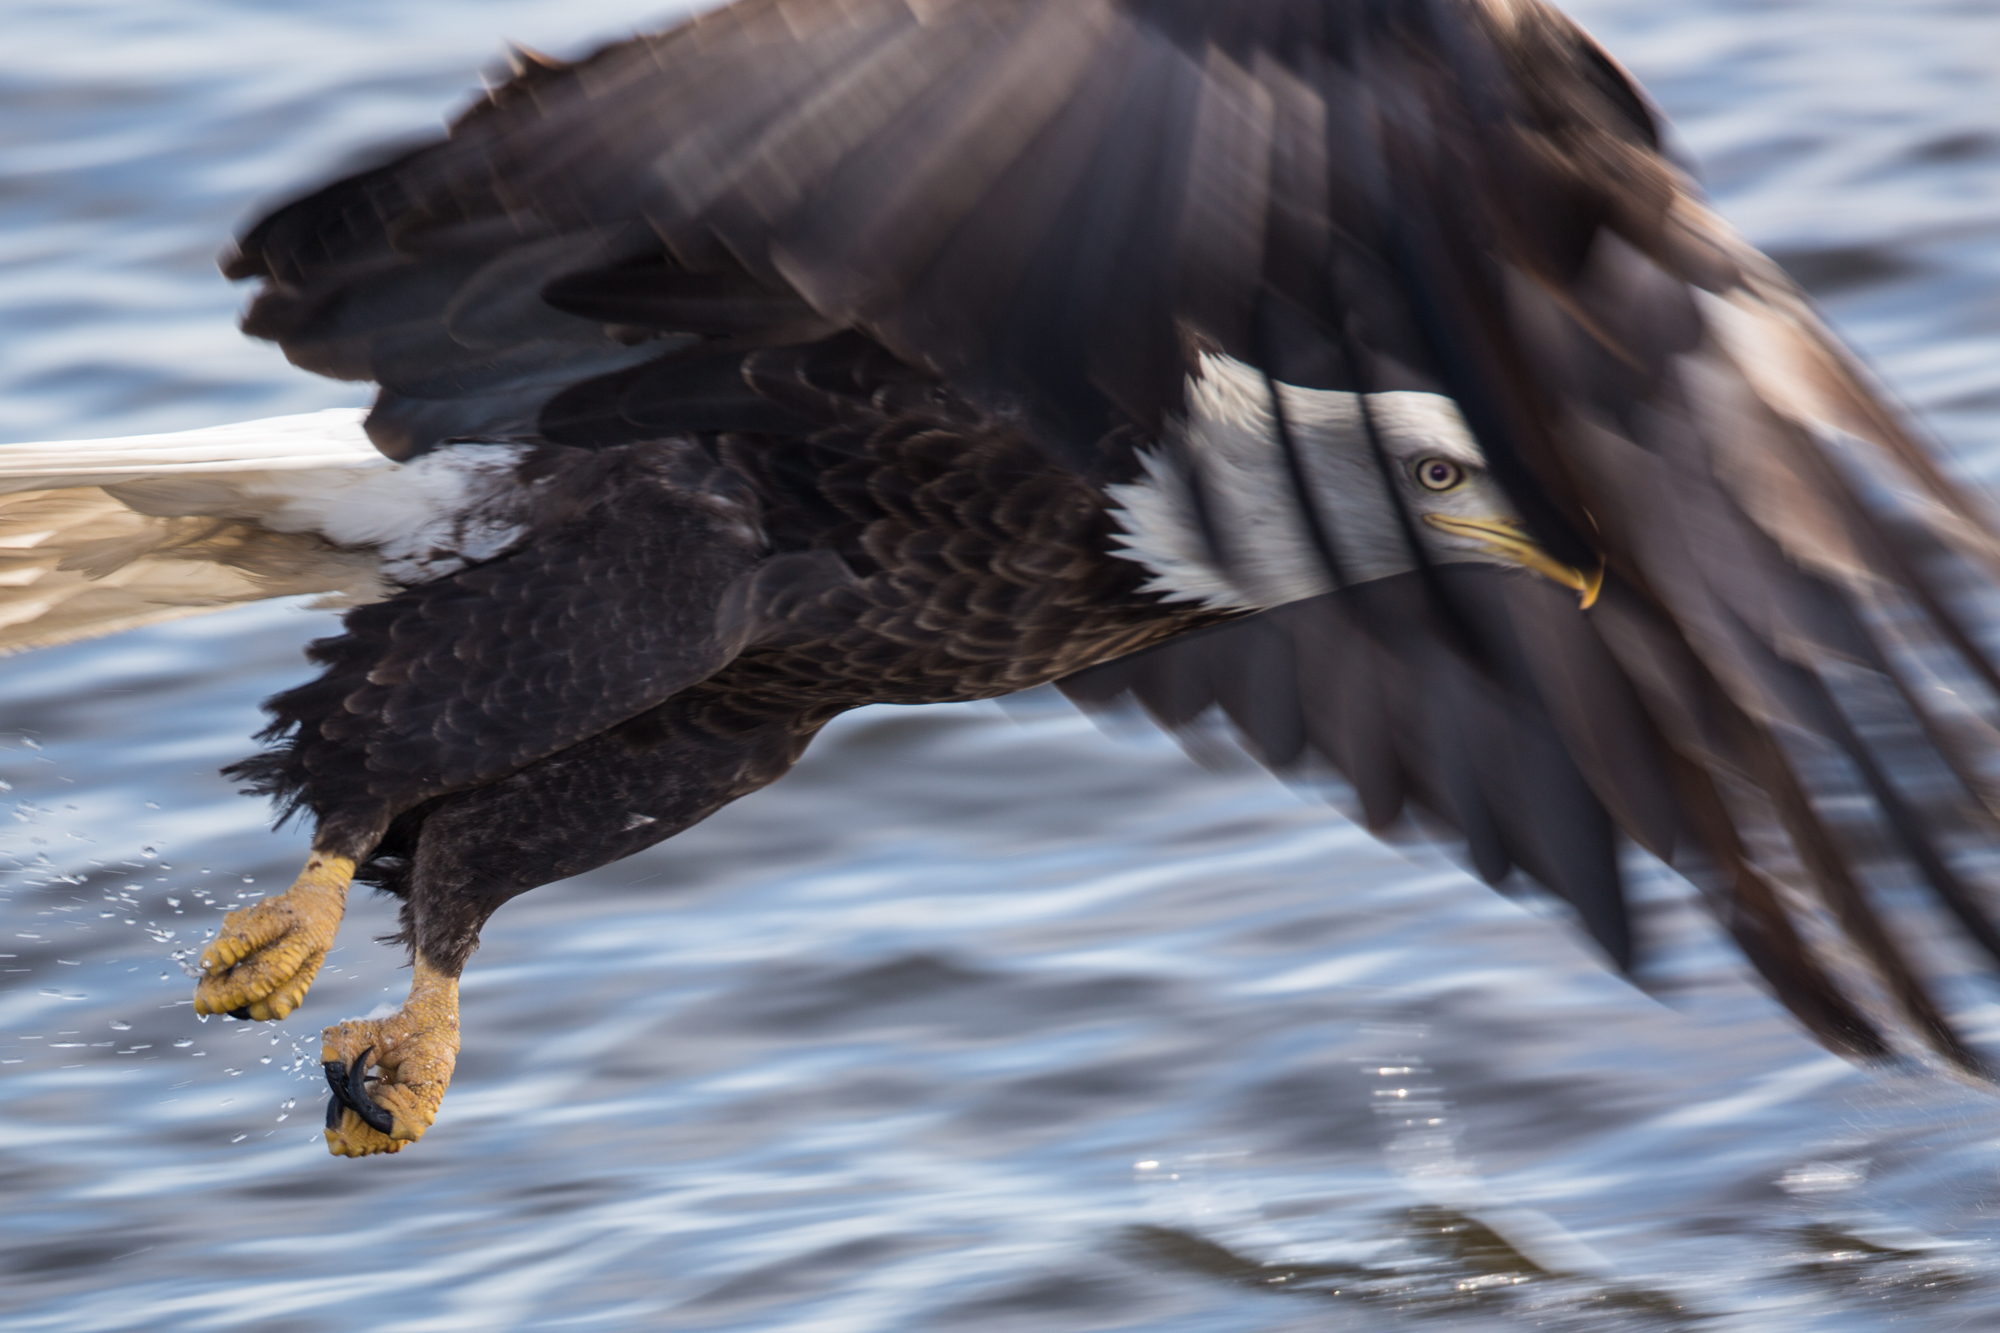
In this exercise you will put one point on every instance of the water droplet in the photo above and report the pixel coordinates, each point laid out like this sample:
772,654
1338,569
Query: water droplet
184,1042
119,1025
149,852
152,805
173,902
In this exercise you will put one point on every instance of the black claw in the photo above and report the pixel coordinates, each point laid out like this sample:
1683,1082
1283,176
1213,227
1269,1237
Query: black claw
242,1012
350,1089
357,1096
336,1078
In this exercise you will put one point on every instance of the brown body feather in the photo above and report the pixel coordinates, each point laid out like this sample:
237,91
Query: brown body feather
853,310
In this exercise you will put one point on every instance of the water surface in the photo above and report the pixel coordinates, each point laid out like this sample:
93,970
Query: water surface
982,1019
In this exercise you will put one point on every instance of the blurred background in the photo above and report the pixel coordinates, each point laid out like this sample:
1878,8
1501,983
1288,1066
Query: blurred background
982,1019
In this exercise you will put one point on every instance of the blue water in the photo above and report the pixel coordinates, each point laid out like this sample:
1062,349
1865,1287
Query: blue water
982,1019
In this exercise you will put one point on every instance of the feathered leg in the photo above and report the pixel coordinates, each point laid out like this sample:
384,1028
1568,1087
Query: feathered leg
616,602
457,860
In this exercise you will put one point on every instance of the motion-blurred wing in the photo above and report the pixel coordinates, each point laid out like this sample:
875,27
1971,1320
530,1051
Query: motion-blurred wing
1056,204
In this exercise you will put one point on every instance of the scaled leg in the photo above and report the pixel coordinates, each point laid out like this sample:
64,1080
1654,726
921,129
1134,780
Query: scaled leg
267,954
457,860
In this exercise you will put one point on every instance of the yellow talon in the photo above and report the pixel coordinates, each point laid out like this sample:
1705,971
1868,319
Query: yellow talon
268,953
414,1050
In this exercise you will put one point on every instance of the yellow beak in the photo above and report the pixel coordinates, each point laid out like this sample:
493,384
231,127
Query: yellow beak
1506,538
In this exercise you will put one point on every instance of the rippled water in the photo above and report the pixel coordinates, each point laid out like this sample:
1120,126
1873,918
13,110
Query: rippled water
982,1019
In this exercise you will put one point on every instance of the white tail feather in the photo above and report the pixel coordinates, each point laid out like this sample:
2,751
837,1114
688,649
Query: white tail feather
98,536
332,438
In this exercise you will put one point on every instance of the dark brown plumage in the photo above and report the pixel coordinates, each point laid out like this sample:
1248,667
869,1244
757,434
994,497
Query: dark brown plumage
853,344
667,599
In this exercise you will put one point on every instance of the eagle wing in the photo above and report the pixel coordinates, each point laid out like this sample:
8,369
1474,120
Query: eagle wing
1052,206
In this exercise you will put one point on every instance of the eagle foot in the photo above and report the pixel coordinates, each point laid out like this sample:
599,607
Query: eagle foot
412,1051
266,955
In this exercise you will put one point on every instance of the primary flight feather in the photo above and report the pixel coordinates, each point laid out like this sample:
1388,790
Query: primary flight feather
1365,370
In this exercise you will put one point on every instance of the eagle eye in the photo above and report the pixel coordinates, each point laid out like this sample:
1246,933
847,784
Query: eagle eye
1438,474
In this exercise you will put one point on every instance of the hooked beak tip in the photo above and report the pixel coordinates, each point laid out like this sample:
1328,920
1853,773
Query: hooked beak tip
1593,584
1505,538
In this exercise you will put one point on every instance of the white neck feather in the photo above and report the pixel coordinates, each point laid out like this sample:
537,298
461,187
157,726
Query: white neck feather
1231,437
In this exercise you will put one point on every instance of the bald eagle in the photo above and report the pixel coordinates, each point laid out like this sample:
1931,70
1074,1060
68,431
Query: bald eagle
1367,374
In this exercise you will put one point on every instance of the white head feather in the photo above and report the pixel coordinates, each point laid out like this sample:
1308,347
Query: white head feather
1230,435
